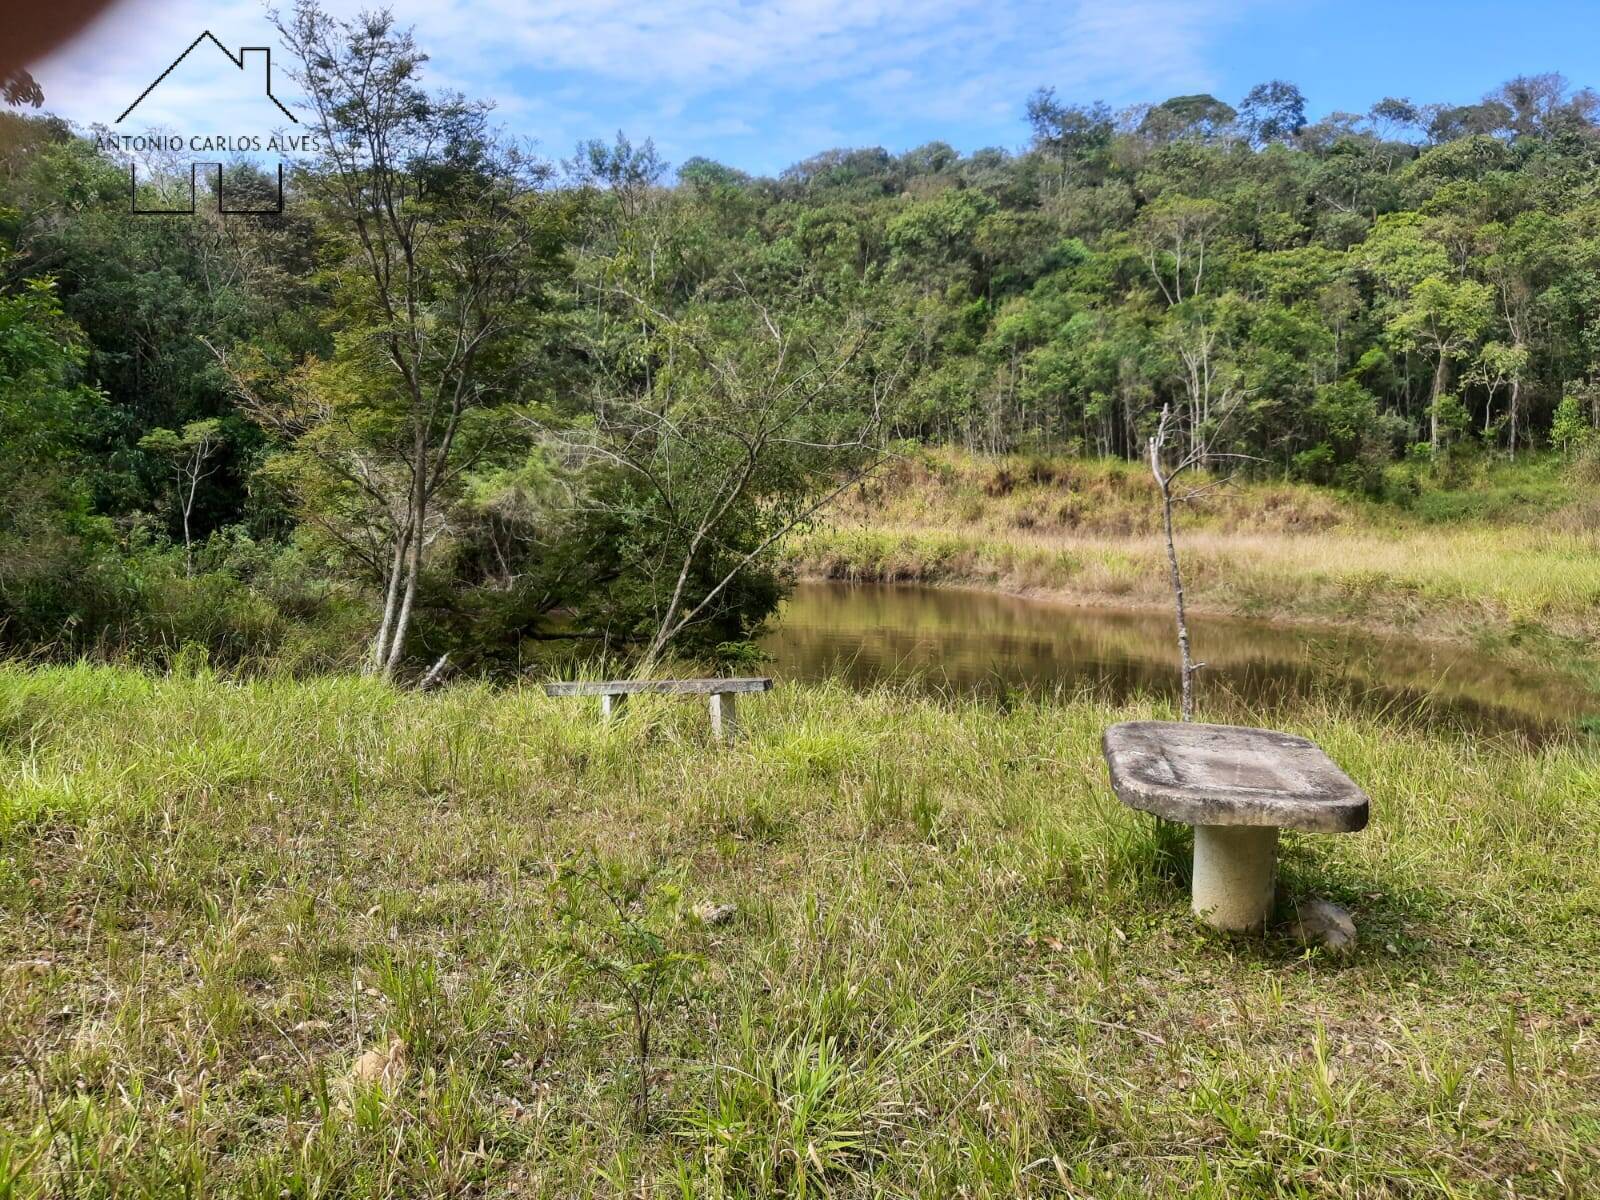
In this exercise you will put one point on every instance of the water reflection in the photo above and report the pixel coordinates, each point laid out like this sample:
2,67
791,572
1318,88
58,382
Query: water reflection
981,642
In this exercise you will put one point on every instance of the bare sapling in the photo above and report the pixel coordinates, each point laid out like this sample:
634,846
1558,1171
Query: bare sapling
1199,453
1164,478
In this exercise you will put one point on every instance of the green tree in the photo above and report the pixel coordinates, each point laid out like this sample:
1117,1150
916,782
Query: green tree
1071,134
1205,364
46,530
1500,366
1175,235
441,254
1526,260
934,241
1570,430
1442,318
1273,111
192,455
750,420
1200,116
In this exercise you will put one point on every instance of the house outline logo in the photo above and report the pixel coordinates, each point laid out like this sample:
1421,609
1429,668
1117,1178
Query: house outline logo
201,143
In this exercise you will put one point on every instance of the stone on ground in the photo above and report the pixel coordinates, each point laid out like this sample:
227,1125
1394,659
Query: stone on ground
715,914
1326,924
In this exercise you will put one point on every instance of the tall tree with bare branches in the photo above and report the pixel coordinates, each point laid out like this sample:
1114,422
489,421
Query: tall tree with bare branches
441,250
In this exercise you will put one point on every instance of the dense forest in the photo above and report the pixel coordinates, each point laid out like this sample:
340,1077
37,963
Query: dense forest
461,399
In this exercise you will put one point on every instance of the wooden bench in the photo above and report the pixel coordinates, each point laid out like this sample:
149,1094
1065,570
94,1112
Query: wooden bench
722,692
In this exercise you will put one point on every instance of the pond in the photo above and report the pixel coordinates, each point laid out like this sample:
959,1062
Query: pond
973,641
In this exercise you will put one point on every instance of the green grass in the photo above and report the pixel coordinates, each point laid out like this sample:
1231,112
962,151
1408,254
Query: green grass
1529,490
957,965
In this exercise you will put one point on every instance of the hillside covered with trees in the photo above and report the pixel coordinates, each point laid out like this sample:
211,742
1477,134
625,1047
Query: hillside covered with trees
462,399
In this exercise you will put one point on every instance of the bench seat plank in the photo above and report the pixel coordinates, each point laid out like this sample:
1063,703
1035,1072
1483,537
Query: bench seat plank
658,687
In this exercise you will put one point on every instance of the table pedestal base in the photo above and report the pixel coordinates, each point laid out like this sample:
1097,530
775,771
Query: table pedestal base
1235,874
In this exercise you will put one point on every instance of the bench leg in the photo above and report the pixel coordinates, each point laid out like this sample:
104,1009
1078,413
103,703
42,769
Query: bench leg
610,707
724,716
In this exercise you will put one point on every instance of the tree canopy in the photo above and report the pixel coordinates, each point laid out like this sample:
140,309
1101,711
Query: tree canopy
466,401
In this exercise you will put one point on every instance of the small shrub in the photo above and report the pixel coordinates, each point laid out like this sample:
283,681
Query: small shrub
1001,483
619,927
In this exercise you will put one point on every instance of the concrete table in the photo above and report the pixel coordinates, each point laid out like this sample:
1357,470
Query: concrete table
1237,786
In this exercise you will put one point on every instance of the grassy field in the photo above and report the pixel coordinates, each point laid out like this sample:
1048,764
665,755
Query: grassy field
327,938
1508,557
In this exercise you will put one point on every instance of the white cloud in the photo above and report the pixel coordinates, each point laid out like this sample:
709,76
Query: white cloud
95,78
754,80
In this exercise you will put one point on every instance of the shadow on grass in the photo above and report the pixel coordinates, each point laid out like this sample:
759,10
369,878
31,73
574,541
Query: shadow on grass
1156,852
1154,861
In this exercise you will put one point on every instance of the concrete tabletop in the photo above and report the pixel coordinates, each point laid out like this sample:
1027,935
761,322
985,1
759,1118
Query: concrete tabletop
1231,775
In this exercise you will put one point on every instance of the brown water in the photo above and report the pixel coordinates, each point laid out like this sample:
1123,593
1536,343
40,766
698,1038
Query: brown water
971,641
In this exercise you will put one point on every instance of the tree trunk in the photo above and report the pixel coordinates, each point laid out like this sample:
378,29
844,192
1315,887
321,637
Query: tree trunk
188,507
1433,407
1516,389
1185,660
1186,665
391,600
402,621
418,520
669,625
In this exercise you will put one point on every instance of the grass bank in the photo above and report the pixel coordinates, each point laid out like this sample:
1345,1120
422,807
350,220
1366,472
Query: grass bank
1509,557
277,939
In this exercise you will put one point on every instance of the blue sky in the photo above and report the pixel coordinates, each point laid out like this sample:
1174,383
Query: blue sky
761,85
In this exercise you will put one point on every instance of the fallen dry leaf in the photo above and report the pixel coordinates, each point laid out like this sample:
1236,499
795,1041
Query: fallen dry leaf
381,1068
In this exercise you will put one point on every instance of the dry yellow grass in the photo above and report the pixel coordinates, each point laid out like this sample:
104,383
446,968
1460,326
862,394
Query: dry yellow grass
1086,531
